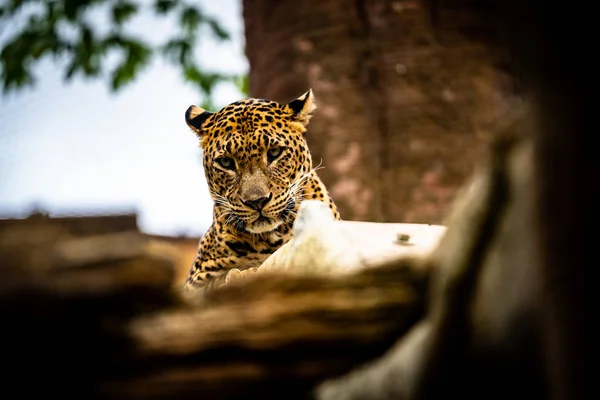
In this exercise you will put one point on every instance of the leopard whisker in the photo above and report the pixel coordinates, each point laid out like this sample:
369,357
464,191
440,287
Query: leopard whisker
220,211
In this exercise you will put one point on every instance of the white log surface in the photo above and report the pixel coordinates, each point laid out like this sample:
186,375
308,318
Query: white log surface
322,245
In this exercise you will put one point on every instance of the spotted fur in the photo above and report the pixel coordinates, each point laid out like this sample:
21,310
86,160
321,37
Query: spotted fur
258,168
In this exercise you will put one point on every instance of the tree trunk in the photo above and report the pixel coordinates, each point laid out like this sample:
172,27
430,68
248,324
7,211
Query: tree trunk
395,101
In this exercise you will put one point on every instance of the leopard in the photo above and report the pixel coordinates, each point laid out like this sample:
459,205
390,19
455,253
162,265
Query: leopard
258,169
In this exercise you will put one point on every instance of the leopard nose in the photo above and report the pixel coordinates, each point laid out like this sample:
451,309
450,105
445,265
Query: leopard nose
258,204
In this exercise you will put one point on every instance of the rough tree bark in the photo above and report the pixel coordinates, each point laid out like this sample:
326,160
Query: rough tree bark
404,110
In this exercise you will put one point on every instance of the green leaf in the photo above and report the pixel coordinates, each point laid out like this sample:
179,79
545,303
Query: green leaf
164,6
87,38
122,12
40,36
14,74
217,29
89,52
114,40
14,63
71,69
190,19
43,45
192,74
206,81
178,51
52,11
72,8
137,56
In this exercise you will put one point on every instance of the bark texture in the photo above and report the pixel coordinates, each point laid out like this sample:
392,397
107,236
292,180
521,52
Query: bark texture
407,92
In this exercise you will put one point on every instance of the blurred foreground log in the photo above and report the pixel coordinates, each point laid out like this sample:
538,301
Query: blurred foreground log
98,319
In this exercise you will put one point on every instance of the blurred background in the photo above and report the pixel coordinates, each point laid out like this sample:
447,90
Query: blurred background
94,92
93,149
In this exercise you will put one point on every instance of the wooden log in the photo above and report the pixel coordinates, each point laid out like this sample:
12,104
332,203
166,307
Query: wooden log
105,302
248,340
323,246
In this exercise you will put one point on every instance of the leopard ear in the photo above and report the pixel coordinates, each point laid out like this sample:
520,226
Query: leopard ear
302,107
195,117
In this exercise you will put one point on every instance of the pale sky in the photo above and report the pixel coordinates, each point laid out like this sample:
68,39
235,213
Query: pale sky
78,148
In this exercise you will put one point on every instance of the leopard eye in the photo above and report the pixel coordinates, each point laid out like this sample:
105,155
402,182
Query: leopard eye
226,162
273,153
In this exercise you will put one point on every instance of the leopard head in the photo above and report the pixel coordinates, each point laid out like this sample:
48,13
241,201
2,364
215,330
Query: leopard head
255,159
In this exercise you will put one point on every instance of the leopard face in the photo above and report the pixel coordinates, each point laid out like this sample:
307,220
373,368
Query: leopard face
256,160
